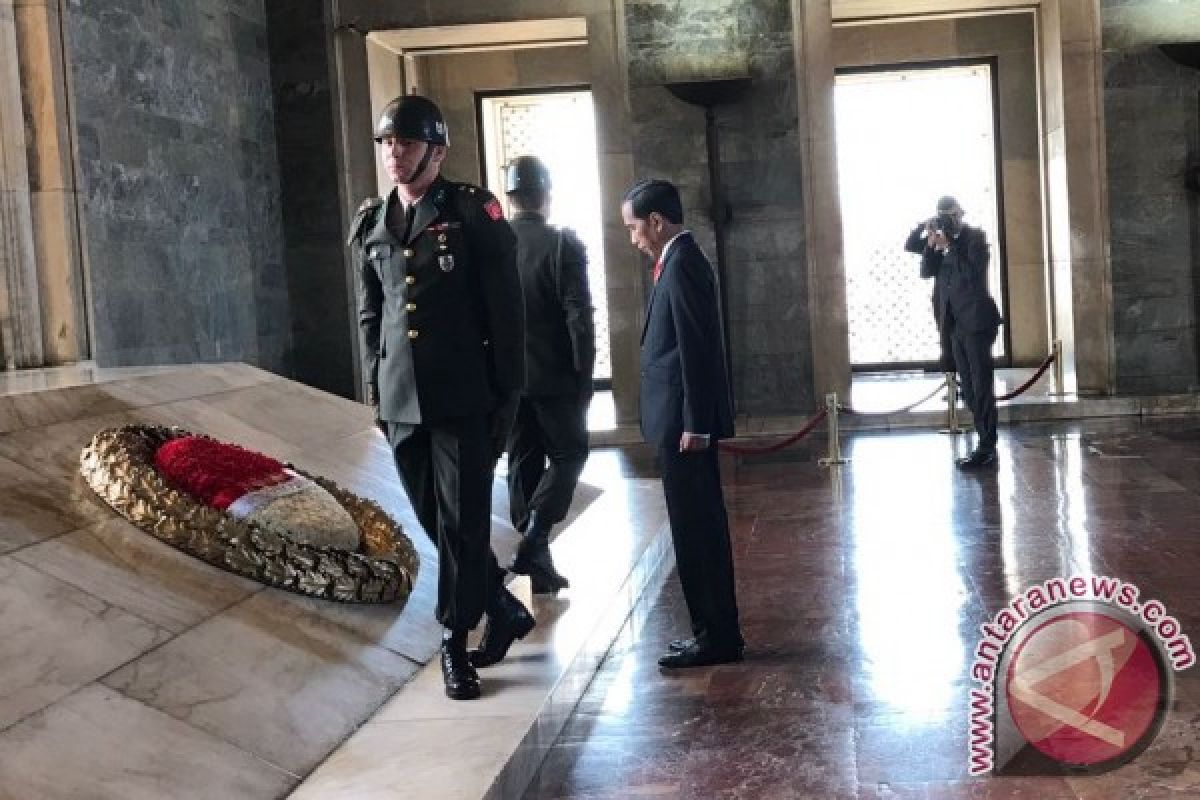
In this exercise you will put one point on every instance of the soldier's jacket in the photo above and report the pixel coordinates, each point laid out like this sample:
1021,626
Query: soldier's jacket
440,313
560,336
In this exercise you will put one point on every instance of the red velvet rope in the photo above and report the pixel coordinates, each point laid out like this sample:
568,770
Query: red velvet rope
1024,387
909,407
730,447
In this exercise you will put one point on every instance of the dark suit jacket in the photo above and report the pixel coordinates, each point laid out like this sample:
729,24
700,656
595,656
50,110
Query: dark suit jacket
684,383
960,289
560,337
440,312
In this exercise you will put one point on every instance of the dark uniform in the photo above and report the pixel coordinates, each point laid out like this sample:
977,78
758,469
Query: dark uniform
442,331
548,444
966,311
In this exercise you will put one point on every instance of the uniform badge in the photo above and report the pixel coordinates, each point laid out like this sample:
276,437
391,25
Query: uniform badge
446,262
492,207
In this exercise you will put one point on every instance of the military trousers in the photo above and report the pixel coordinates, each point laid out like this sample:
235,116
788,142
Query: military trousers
547,449
447,470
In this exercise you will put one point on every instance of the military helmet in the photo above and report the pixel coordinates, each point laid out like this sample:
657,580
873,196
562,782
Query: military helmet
412,116
526,174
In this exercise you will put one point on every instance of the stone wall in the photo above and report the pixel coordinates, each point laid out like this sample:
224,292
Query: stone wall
323,325
177,166
678,40
1151,107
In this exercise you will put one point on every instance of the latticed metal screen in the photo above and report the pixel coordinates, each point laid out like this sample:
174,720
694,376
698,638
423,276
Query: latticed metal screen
559,128
906,137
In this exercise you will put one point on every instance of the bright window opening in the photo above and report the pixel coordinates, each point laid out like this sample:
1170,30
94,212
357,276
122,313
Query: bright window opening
906,137
559,128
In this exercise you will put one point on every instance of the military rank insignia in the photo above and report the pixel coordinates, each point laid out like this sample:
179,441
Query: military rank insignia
446,262
492,207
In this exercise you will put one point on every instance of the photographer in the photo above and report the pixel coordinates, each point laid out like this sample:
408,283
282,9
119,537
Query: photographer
916,243
956,256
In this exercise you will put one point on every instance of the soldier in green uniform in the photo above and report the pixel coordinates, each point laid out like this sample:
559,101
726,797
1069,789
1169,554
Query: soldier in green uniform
441,321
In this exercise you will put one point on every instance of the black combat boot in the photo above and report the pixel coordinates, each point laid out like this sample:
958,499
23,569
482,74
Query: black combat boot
462,681
533,559
507,621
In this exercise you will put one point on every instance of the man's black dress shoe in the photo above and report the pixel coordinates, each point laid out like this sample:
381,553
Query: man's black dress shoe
980,459
533,559
701,655
461,679
507,621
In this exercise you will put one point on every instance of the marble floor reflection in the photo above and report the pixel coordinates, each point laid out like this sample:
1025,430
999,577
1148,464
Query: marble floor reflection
862,592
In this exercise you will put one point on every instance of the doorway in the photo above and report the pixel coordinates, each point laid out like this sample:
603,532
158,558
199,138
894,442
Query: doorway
907,135
559,127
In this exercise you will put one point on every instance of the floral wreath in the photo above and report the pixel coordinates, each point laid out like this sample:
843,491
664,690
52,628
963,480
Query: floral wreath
250,514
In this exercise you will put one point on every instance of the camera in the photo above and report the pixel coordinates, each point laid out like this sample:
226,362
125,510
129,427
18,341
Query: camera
944,222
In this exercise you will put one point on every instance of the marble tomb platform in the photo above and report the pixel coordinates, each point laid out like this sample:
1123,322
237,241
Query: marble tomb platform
131,670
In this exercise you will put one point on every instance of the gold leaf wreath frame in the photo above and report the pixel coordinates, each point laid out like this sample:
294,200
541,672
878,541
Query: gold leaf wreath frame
118,465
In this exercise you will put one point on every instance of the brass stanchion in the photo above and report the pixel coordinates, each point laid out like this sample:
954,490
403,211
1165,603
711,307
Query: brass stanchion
1060,380
835,448
952,425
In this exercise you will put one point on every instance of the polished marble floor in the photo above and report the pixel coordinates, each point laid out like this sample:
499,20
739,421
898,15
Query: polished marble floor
862,591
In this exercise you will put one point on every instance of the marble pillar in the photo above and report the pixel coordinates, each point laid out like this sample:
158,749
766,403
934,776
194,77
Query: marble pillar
20,317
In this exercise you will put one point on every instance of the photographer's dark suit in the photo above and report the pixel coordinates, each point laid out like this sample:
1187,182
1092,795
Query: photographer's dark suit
966,310
916,244
684,387
560,352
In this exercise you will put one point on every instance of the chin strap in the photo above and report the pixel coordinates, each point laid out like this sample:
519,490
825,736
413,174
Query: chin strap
423,165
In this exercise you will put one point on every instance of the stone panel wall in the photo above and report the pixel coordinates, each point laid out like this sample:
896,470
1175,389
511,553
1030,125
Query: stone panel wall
1151,108
177,166
674,40
323,325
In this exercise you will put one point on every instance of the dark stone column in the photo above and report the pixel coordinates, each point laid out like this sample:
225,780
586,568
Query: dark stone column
322,327
1152,113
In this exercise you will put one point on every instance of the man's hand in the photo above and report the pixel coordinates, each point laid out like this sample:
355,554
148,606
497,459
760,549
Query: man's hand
693,442
502,422
939,241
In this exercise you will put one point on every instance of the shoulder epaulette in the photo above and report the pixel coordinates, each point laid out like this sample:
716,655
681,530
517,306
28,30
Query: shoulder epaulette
361,216
481,198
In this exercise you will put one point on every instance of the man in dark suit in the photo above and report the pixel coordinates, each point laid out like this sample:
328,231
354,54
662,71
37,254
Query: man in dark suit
443,360
686,407
548,445
915,243
957,256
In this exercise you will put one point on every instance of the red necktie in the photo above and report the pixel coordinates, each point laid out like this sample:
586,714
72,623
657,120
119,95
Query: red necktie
658,265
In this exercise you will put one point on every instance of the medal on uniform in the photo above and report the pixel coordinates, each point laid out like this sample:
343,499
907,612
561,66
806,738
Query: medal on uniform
446,262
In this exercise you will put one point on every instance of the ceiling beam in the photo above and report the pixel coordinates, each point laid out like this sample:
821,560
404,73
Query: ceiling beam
851,11
490,35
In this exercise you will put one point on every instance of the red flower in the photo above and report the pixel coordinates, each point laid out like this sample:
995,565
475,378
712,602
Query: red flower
214,472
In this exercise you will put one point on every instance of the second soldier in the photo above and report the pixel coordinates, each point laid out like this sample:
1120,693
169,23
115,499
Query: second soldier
549,442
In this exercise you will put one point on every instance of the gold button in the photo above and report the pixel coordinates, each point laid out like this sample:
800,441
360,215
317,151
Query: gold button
413,334
410,307
408,252
410,279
